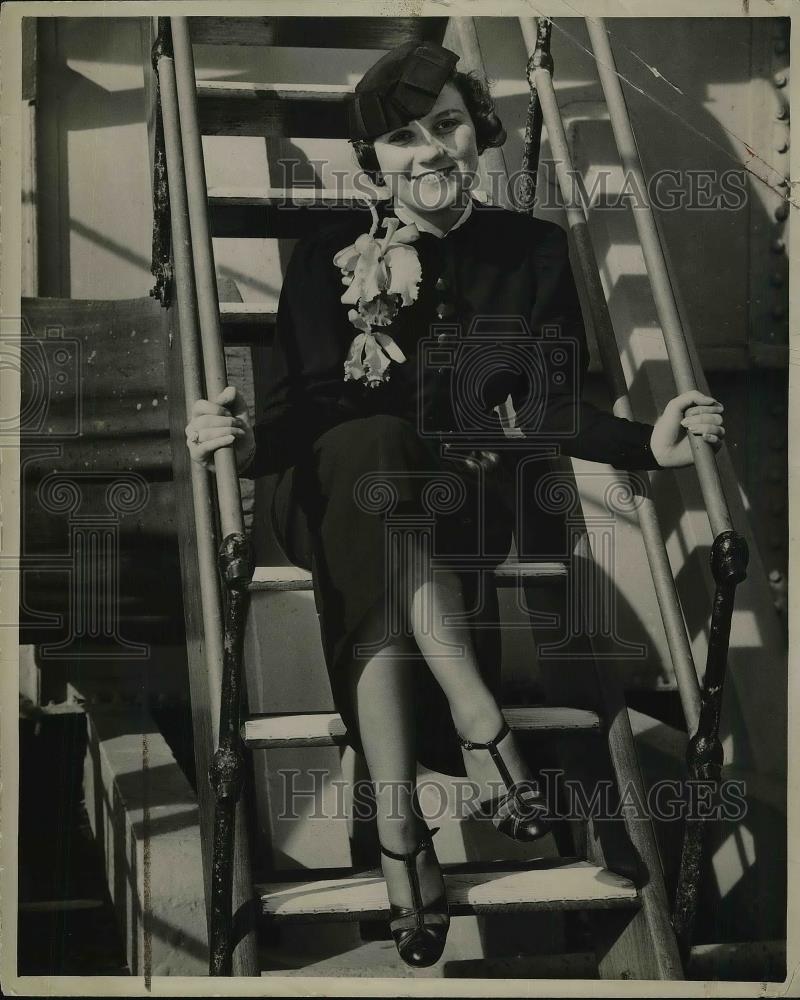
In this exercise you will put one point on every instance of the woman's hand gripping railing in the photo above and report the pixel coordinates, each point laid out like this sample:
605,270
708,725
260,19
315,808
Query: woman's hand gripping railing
729,553
193,242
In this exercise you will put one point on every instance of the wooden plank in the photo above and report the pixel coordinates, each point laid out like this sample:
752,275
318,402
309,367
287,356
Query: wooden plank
320,729
298,197
511,572
237,313
281,578
243,219
257,109
248,323
316,32
558,886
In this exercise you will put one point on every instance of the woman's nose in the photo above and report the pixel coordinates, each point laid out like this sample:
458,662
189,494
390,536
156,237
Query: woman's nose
430,144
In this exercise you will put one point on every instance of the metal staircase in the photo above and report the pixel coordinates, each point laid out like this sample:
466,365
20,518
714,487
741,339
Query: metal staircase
618,881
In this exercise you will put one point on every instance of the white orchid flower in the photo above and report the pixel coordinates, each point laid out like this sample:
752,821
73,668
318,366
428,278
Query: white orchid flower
380,275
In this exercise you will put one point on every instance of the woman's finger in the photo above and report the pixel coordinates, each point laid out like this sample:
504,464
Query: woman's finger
203,406
216,433
205,449
692,397
702,427
693,410
197,423
704,418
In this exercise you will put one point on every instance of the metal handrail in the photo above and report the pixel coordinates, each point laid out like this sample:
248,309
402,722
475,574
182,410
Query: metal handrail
729,550
226,772
541,83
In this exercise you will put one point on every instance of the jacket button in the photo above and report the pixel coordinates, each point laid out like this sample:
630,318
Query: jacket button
445,309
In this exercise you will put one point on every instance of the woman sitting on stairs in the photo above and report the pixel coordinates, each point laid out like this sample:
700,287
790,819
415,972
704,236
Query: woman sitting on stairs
355,422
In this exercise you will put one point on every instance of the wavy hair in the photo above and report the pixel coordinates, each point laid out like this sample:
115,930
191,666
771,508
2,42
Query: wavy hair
479,103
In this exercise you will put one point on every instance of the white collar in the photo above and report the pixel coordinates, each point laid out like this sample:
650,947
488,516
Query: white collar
407,215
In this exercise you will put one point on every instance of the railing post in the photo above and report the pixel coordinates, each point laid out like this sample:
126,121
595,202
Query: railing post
729,566
729,551
230,886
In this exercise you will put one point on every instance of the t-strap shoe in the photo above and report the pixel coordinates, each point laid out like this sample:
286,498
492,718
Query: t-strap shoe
419,931
522,812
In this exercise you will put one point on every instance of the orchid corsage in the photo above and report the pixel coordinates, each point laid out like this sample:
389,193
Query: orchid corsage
381,275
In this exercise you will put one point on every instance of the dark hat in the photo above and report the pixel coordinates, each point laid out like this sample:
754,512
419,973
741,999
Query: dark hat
401,86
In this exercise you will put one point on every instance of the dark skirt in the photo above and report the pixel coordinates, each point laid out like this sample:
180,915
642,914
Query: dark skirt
366,484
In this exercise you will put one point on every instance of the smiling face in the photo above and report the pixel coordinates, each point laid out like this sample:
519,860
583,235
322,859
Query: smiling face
430,163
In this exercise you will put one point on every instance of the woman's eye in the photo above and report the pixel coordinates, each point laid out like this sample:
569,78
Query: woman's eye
399,137
447,124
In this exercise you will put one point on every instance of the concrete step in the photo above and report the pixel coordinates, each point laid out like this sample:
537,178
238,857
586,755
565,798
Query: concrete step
548,884
325,729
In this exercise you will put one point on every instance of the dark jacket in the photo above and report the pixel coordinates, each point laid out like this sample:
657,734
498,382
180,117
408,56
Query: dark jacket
511,325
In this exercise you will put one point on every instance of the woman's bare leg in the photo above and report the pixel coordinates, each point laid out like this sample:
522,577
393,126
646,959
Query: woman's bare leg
383,698
450,653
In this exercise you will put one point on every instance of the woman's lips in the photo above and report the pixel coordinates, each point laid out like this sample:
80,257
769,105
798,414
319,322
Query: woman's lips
441,174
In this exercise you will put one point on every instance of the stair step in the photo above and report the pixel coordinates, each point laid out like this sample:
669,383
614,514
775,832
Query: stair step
317,32
247,322
325,729
273,109
302,197
551,884
281,213
509,573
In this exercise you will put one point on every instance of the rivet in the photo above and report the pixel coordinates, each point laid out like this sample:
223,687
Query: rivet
778,246
441,285
783,113
780,79
782,145
445,309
